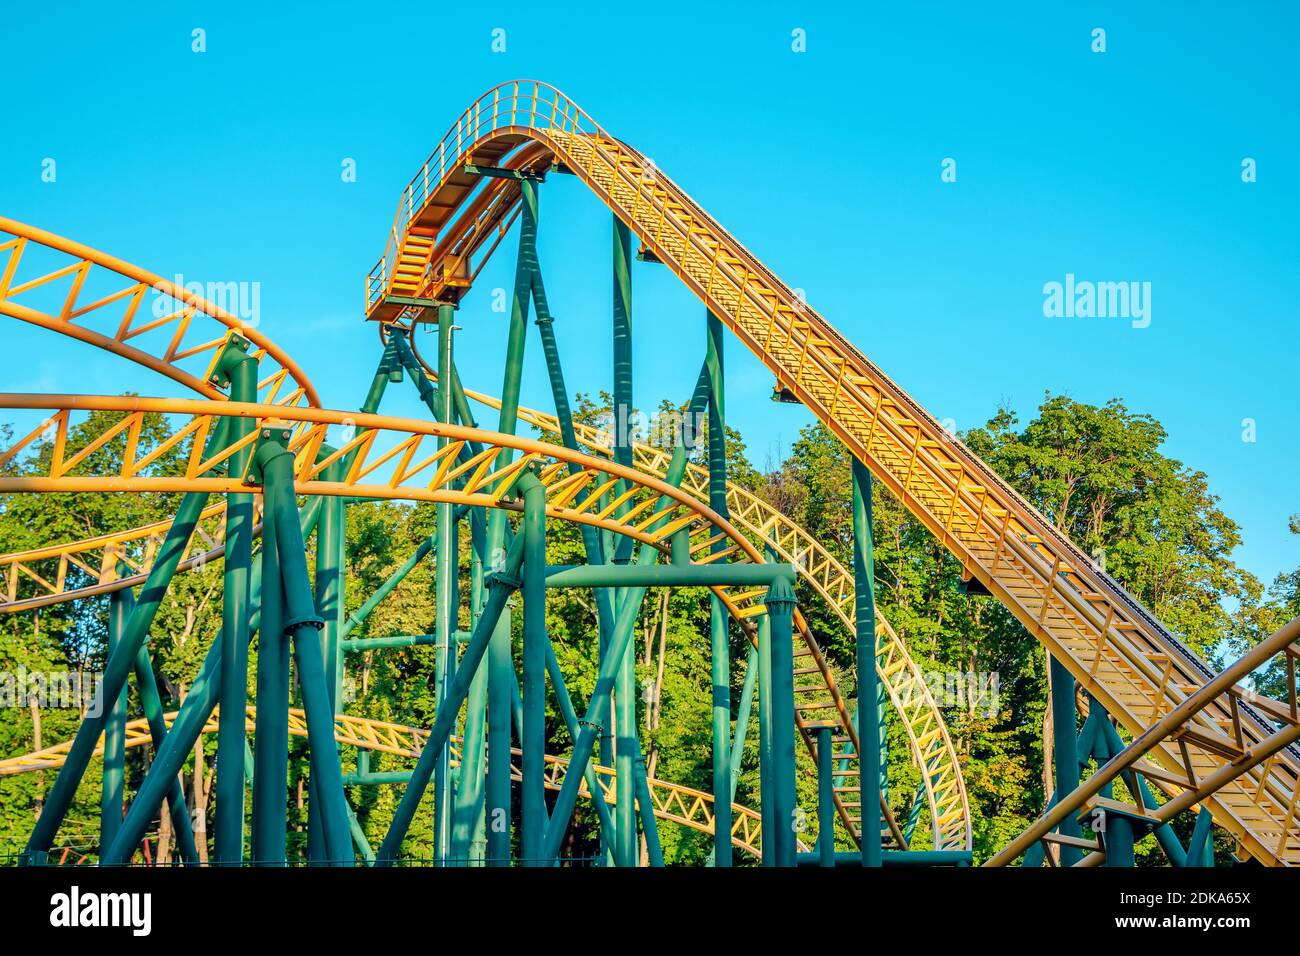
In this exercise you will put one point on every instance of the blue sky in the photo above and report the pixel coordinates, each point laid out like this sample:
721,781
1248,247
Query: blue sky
1115,166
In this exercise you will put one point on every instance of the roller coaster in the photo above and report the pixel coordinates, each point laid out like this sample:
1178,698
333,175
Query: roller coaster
268,476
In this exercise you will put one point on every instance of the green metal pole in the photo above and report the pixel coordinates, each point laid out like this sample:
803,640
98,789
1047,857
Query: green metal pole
623,704
766,763
825,797
780,611
1065,736
469,834
445,602
112,800
271,725
719,637
533,738
869,723
302,624
228,841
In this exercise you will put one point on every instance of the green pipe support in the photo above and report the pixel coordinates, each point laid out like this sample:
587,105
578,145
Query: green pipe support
533,736
112,799
1065,736
780,611
868,714
239,369
271,725
825,797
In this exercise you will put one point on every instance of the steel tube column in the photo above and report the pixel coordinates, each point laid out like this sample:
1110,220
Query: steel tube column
719,637
228,842
302,625
825,797
536,641
1065,737
271,729
624,700
780,613
112,798
444,601
869,722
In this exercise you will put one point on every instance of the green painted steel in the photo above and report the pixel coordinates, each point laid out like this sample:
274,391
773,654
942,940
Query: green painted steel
666,575
240,371
301,624
1065,736
864,582
445,603
719,631
112,799
271,725
536,641
786,815
825,797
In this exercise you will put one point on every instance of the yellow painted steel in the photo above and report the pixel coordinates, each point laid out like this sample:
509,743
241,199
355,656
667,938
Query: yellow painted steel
119,316
682,805
1116,650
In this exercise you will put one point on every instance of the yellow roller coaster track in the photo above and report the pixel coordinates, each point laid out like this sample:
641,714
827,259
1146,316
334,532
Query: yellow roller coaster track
649,511
98,299
1116,650
65,283
686,806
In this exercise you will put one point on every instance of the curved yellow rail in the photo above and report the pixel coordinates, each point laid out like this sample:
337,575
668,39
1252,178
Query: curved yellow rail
177,334
1117,650
682,805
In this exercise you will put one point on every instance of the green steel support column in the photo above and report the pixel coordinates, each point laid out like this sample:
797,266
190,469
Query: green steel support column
119,665
179,742
240,371
1065,735
112,798
500,658
869,723
500,585
1200,847
742,717
533,738
302,624
624,698
271,725
780,611
766,775
469,834
445,602
151,704
331,545
500,668
719,637
825,797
